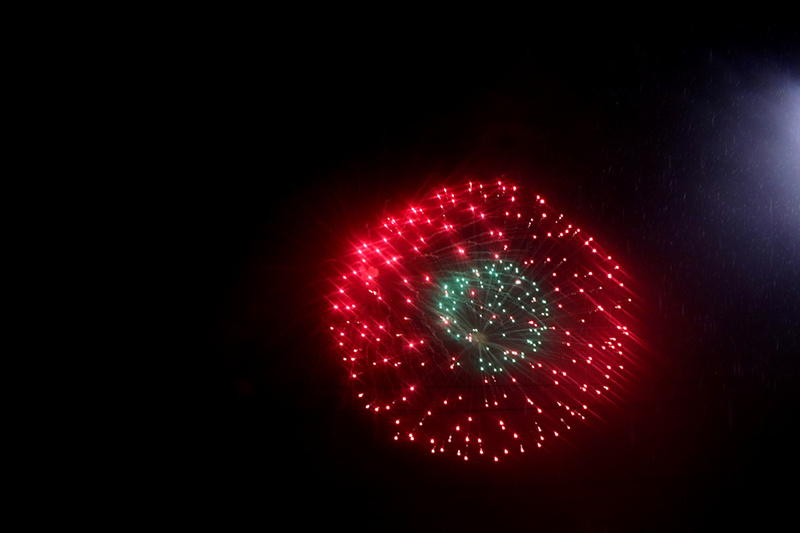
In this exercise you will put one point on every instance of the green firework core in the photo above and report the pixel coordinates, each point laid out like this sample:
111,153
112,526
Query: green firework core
493,313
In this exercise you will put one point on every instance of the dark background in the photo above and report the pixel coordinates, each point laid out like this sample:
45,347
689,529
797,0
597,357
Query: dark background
677,145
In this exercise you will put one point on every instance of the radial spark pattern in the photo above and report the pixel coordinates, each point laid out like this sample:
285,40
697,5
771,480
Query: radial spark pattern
481,323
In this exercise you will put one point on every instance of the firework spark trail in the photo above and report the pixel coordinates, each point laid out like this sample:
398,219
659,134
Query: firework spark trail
481,324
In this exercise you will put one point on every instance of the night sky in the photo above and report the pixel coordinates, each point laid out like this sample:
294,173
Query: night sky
678,147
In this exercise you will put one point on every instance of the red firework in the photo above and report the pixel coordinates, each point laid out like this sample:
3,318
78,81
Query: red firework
481,323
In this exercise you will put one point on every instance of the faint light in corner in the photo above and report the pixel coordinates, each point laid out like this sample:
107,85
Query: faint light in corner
785,142
794,119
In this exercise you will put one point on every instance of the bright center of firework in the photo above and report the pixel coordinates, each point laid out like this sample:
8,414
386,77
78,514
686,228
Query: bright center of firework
493,313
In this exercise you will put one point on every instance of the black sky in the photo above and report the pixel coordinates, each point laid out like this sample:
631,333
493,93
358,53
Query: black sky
675,145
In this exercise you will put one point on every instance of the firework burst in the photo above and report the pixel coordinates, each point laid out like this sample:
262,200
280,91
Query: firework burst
481,323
